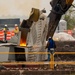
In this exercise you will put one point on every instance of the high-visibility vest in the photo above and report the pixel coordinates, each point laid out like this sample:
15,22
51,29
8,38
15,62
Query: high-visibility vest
16,30
5,30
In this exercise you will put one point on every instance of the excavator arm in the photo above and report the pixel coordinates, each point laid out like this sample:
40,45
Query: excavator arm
59,7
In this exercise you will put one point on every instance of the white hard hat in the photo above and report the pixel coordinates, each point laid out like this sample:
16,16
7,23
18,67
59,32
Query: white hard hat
6,25
16,25
49,37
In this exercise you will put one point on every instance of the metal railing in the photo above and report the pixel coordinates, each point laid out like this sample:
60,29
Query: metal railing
51,62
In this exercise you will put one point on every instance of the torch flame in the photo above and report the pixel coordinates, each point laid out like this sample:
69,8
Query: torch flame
22,42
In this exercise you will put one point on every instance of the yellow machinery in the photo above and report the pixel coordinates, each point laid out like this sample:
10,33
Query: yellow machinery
38,28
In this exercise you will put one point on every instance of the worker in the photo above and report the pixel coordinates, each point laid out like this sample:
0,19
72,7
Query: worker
5,32
16,30
51,47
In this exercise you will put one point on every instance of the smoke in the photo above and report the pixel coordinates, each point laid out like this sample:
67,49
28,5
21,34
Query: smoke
17,7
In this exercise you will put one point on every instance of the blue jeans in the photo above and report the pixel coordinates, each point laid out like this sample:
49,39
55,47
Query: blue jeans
48,56
51,51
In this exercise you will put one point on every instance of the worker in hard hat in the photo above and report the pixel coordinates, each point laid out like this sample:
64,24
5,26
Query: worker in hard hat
5,32
51,47
16,29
